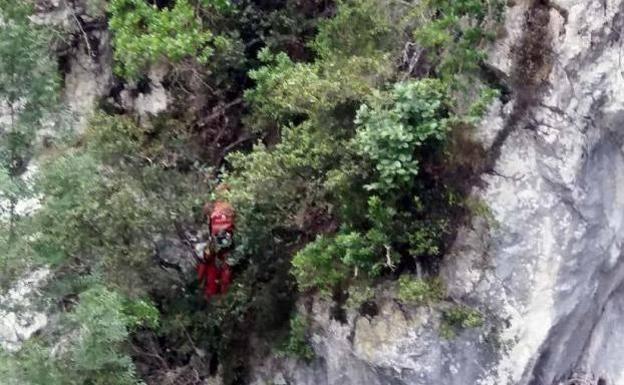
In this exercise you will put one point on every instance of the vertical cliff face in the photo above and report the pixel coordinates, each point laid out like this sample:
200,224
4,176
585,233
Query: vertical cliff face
86,64
553,267
549,274
547,271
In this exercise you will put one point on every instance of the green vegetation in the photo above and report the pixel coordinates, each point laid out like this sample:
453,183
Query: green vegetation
458,318
420,291
145,35
359,294
363,173
455,37
389,138
104,202
94,352
335,125
297,345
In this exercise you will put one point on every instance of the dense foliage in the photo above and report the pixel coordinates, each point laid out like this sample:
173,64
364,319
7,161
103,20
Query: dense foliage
145,34
338,127
93,352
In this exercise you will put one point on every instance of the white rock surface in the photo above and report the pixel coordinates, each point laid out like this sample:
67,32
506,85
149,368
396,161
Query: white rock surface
89,78
18,320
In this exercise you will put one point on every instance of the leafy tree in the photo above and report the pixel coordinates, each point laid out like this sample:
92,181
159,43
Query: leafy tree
28,84
273,188
144,34
403,212
95,355
390,137
104,204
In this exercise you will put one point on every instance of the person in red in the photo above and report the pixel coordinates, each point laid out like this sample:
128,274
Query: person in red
213,270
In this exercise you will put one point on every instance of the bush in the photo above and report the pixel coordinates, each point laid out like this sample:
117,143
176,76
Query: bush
359,293
318,266
29,93
144,34
104,203
297,345
274,188
287,92
420,291
92,349
458,318
103,327
353,51
454,37
363,28
391,135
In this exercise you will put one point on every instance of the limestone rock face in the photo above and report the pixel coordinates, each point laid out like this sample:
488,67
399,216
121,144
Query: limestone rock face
86,60
18,318
549,274
90,75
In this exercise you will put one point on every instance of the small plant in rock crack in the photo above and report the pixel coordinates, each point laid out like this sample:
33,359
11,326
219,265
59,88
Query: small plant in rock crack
459,318
359,294
297,345
420,291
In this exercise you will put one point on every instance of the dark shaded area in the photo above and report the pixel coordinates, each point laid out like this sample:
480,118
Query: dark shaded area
369,309
162,3
532,64
338,311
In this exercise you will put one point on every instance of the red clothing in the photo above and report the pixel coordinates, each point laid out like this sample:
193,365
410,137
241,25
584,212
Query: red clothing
216,279
214,272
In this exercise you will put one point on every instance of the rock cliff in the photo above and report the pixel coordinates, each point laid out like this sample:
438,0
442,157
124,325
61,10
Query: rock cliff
546,270
549,273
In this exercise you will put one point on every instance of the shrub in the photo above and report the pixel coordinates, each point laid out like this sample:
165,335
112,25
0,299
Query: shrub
92,351
104,203
297,344
458,318
420,291
454,37
359,294
391,135
285,89
144,34
103,327
274,188
28,90
318,265
362,28
287,92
